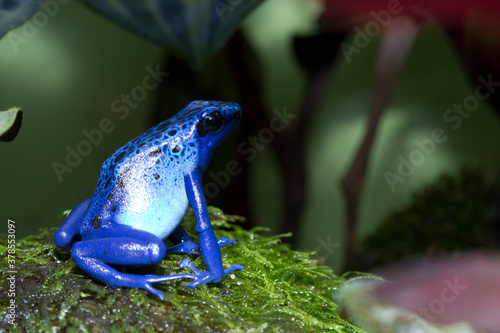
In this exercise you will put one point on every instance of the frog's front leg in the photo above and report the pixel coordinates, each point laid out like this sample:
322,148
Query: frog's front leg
184,244
208,242
117,244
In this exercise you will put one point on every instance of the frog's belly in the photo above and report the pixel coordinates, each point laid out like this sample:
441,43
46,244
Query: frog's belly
157,211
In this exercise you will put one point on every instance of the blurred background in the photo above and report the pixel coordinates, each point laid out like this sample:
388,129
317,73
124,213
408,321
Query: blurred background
72,72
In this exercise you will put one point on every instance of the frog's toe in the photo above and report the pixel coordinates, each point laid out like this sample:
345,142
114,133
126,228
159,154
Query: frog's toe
226,241
195,252
154,291
205,277
202,278
146,281
234,268
189,247
149,279
186,263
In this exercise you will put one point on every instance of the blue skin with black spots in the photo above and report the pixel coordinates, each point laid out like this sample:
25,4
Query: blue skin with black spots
143,191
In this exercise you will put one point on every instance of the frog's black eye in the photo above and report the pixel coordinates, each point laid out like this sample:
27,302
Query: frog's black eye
210,123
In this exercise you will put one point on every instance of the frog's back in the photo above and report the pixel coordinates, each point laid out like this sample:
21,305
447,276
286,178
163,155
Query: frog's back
142,183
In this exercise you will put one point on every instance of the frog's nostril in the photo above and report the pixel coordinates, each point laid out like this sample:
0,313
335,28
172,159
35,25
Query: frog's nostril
237,114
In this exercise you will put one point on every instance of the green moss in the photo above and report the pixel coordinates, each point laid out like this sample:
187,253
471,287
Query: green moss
280,291
457,213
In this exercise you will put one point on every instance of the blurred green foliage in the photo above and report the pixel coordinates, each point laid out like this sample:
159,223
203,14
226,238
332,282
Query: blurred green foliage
458,212
191,30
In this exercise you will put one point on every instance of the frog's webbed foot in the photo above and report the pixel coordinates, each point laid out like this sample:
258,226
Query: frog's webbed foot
188,247
191,248
146,281
226,241
205,277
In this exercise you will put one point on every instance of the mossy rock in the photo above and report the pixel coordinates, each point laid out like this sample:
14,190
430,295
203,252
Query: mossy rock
279,291
457,213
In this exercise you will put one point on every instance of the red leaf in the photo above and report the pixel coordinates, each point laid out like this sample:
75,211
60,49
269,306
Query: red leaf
448,291
451,14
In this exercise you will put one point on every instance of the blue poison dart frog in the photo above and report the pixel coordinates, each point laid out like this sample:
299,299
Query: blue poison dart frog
143,191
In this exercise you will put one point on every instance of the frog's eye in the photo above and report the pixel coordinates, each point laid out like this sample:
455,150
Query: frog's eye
210,123
213,122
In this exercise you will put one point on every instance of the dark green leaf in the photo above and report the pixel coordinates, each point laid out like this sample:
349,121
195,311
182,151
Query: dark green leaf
192,29
14,13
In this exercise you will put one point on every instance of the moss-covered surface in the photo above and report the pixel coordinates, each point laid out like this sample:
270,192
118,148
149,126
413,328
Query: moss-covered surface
459,212
280,291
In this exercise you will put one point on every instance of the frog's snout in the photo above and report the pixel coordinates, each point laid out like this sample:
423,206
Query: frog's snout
233,111
237,114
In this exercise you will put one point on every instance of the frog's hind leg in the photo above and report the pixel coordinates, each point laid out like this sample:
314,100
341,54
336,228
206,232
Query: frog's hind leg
121,245
66,234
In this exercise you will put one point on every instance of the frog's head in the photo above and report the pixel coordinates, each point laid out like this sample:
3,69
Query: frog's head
214,122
